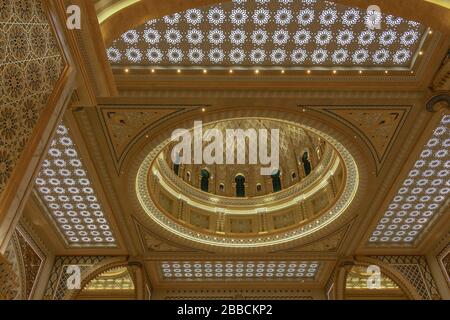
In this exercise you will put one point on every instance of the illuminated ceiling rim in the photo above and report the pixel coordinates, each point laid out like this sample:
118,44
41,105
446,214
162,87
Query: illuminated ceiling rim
149,208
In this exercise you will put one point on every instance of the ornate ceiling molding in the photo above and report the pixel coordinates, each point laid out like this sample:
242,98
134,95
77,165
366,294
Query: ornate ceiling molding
123,124
330,243
33,261
226,246
379,126
439,102
153,243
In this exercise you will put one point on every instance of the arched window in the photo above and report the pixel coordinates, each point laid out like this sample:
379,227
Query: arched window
293,175
240,185
306,163
188,176
204,182
222,187
276,181
176,164
258,187
176,168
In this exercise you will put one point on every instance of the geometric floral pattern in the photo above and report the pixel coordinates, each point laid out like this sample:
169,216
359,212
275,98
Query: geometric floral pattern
32,262
415,269
57,283
270,33
423,194
65,188
30,65
358,278
239,270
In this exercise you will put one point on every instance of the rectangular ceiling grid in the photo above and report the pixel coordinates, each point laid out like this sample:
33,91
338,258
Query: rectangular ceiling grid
64,187
239,270
422,196
271,34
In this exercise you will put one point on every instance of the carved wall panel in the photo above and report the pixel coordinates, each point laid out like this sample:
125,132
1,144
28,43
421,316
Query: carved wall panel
378,126
32,259
417,272
123,124
30,66
57,284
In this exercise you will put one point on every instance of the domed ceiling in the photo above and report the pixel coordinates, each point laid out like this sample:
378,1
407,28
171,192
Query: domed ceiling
304,200
300,153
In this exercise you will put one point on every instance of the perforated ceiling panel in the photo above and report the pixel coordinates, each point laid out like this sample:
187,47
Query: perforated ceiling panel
423,194
66,190
240,270
270,33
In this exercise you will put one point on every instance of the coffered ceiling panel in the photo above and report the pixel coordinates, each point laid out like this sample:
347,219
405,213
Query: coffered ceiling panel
66,190
378,125
240,270
423,195
123,124
270,34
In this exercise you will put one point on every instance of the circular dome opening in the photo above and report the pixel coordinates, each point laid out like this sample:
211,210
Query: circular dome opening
238,203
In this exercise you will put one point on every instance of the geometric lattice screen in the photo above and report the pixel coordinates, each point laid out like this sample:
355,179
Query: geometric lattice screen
64,186
270,33
423,194
239,270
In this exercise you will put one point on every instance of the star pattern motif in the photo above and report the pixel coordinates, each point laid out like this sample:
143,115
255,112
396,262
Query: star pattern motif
256,33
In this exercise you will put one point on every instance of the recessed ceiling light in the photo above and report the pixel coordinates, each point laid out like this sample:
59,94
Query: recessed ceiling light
179,70
334,71
205,71
308,72
256,71
282,71
153,70
231,71
127,70
420,53
203,109
360,71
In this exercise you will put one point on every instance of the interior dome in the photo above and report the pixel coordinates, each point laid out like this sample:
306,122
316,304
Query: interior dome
314,181
300,153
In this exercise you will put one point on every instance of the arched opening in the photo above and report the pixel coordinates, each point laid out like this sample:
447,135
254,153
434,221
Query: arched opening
306,163
276,181
176,165
204,180
113,284
176,168
240,185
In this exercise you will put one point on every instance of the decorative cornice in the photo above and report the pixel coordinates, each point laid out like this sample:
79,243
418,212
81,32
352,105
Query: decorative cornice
438,102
